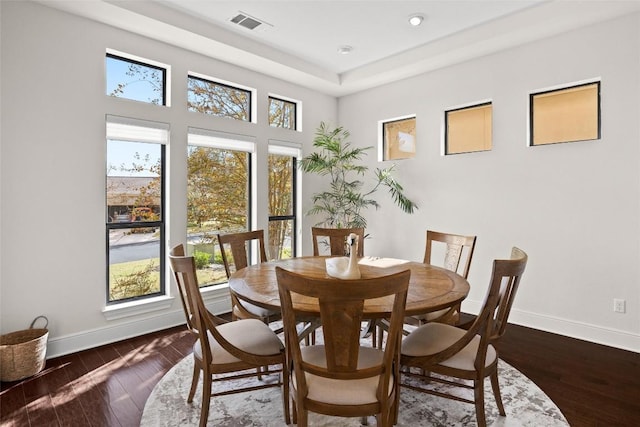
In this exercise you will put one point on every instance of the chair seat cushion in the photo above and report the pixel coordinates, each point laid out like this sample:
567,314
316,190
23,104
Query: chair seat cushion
250,335
434,337
433,315
258,311
342,392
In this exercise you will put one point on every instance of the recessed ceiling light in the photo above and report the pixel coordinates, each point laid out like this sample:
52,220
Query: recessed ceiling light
345,50
416,19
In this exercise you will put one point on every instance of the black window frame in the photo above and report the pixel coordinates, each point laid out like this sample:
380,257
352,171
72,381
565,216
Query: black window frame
160,225
144,64
294,207
295,111
532,96
249,93
446,127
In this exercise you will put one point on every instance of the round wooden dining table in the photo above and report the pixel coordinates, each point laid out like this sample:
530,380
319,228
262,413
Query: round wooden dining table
431,288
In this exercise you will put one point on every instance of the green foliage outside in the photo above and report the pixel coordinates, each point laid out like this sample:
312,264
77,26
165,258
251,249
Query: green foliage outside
202,259
217,194
133,279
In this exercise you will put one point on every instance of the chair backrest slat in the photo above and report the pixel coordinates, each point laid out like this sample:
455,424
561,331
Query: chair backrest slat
341,312
240,249
455,246
337,238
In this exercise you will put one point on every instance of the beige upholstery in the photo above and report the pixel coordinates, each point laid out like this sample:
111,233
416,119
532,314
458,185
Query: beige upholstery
343,392
250,335
435,337
230,348
341,377
467,354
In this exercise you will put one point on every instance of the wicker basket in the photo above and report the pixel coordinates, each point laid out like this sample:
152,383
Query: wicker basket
22,353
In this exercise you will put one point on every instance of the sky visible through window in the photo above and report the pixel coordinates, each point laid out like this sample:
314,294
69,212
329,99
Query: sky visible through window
122,154
138,86
138,82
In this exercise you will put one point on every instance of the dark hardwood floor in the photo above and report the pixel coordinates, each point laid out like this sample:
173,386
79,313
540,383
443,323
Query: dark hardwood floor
593,385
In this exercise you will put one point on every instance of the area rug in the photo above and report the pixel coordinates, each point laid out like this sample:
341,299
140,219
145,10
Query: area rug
525,405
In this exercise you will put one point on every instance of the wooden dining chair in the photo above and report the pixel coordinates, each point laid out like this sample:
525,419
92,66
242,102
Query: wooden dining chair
458,252
468,354
340,377
335,239
454,248
239,245
223,347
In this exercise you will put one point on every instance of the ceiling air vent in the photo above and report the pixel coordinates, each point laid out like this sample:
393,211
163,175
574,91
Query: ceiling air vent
247,21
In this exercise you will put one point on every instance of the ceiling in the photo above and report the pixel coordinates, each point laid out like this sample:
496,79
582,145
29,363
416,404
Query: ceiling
298,41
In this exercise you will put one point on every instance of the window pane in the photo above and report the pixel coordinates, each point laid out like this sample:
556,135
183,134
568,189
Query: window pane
282,222
282,113
565,115
281,239
133,80
217,202
134,263
133,181
134,219
469,129
280,185
399,138
220,100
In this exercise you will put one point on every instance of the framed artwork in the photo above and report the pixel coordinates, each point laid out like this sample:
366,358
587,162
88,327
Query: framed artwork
398,138
567,114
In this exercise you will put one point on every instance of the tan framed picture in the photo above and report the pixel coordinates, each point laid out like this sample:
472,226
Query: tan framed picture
399,138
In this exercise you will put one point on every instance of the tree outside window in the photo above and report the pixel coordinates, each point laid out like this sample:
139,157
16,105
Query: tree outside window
217,202
282,113
208,97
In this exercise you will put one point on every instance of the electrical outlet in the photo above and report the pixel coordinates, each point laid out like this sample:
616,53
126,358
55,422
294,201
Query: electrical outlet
619,305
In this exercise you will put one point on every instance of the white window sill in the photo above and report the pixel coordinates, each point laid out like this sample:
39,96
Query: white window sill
216,296
134,308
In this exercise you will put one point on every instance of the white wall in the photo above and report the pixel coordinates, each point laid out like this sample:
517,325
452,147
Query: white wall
53,165
573,207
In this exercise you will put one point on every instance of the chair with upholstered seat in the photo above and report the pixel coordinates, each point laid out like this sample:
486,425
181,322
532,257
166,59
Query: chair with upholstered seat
233,348
335,239
340,377
333,242
239,245
467,354
455,248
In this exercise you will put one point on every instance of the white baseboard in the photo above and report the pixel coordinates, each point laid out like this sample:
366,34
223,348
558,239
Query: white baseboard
59,346
580,330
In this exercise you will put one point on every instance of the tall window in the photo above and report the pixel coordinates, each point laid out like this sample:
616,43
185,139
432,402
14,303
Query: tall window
218,99
218,197
282,113
282,201
137,80
135,208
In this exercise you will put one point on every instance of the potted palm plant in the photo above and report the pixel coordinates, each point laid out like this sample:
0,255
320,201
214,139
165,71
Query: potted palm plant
345,199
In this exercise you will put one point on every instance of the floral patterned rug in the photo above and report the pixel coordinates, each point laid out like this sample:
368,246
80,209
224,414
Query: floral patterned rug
525,404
